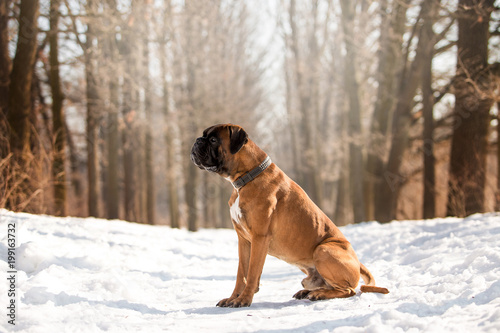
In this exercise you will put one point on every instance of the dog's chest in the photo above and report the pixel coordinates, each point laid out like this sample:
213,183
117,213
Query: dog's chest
235,210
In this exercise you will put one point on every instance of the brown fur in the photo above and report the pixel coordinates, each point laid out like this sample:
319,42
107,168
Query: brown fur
278,218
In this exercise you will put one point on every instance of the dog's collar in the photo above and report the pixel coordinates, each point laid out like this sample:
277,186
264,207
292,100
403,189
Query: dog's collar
249,176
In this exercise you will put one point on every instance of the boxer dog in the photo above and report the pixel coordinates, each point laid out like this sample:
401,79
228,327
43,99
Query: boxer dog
273,215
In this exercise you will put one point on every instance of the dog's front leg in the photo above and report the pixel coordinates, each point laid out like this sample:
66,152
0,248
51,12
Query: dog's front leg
241,276
258,254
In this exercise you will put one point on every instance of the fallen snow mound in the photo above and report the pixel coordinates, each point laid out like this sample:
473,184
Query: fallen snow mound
90,275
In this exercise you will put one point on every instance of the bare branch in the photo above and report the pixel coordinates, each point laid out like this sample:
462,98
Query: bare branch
73,21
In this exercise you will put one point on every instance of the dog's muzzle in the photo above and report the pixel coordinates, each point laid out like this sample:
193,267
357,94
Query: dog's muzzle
196,156
200,155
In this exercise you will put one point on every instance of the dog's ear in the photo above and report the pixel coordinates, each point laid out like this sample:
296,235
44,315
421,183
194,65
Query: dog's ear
237,138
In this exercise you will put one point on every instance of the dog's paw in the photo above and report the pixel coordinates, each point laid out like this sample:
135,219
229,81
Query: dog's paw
240,302
301,294
225,302
317,295
235,302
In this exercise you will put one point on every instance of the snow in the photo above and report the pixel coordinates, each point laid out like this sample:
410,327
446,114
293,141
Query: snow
91,275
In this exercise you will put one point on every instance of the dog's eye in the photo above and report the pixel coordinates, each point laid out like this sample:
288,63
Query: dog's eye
213,140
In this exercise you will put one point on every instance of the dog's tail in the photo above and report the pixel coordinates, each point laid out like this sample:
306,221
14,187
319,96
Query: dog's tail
369,286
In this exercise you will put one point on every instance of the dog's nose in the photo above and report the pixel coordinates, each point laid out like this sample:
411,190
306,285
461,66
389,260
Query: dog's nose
199,140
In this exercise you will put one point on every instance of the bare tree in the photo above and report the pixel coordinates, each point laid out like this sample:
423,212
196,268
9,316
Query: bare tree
497,194
58,122
192,26
390,187
92,126
171,170
20,106
428,40
4,60
20,80
472,106
305,81
389,56
352,87
149,163
113,57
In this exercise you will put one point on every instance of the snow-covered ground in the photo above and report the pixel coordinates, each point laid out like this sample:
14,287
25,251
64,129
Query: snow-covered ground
90,275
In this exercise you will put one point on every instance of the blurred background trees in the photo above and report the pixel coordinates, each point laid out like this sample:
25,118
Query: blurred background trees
380,110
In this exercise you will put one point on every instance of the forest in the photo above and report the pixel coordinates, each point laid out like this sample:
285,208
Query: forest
379,109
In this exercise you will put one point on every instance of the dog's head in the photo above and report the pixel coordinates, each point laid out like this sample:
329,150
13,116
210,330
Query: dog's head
215,150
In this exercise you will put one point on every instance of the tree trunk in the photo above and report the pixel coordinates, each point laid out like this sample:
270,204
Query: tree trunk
497,195
309,174
191,173
113,148
343,210
294,138
355,138
128,167
471,115
192,176
4,64
128,150
130,106
171,170
113,143
58,123
392,29
388,191
429,202
341,215
20,105
4,96
150,188
21,78
140,168
74,162
173,196
92,119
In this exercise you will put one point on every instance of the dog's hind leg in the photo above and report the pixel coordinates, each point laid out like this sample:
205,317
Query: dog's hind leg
338,265
313,281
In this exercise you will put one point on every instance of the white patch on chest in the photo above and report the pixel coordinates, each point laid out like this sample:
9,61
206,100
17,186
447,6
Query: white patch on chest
235,210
